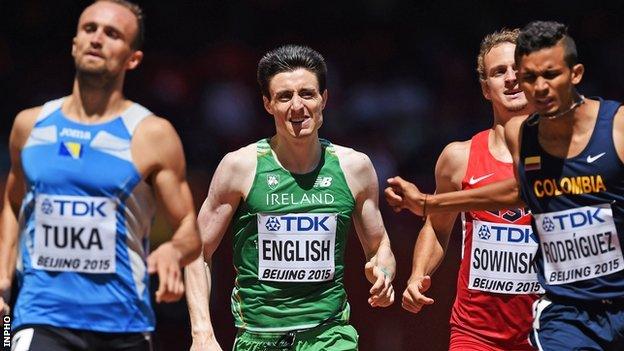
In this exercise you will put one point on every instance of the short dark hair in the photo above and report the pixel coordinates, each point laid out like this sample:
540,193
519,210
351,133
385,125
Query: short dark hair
540,35
288,58
139,39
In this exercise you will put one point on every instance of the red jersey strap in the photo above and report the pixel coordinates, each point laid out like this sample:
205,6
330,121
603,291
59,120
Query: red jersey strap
483,168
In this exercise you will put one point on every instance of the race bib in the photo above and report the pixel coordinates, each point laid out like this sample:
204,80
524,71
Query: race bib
296,247
579,244
74,234
501,259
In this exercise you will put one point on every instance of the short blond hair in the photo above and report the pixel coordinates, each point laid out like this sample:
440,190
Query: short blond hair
490,41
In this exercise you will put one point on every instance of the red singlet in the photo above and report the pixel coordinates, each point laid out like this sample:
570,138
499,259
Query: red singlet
497,283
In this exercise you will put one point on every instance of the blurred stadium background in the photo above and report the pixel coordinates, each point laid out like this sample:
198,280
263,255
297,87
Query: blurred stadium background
402,84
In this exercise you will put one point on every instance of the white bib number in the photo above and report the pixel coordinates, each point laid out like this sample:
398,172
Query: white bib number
297,247
579,244
501,259
74,234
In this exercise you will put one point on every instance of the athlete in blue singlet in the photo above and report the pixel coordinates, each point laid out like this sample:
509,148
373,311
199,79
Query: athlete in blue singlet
87,172
569,158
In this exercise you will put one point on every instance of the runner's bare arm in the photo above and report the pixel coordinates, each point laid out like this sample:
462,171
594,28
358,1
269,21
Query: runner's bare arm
230,183
503,194
402,194
13,194
157,151
432,241
380,267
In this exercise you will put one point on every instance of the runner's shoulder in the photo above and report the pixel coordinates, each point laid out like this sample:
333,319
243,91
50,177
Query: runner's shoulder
29,114
156,128
23,124
619,118
454,154
352,160
241,161
358,171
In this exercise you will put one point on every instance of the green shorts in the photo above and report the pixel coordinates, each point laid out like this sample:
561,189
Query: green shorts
332,336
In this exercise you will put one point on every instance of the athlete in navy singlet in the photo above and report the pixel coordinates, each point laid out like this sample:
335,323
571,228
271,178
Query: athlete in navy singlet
86,172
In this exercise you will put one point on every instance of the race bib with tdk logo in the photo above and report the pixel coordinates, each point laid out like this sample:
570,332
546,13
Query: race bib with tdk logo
296,247
579,244
501,259
74,234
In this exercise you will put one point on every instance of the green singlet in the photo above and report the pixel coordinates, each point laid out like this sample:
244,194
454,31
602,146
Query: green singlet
289,242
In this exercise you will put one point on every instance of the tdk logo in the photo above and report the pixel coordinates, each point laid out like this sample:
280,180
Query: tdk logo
298,223
484,232
75,208
573,220
548,225
46,207
506,234
272,224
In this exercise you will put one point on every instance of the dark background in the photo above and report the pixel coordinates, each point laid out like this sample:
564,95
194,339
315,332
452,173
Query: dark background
402,84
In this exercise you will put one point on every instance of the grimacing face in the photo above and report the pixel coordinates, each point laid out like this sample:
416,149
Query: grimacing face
548,82
102,45
500,85
296,103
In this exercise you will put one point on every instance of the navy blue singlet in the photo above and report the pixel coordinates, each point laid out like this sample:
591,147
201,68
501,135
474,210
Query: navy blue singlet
578,209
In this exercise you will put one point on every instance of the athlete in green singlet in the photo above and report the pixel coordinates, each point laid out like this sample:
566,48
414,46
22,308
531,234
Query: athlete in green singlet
290,199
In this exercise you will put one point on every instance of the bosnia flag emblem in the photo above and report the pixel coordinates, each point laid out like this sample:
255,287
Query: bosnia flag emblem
532,163
71,149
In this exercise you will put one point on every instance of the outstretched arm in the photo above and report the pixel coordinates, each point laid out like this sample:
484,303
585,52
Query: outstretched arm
233,175
402,194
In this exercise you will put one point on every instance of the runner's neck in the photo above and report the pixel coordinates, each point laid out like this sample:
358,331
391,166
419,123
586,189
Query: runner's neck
299,156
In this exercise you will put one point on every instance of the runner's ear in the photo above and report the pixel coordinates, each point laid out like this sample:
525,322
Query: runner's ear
325,96
577,73
267,105
485,89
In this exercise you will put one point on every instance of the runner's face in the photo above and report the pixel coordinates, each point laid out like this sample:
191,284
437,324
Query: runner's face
500,85
547,81
102,44
296,103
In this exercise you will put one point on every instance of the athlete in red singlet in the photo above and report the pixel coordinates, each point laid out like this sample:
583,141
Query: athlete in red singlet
492,309
497,282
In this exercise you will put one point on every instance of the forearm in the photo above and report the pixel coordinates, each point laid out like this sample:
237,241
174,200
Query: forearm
198,286
503,194
186,240
428,253
8,243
